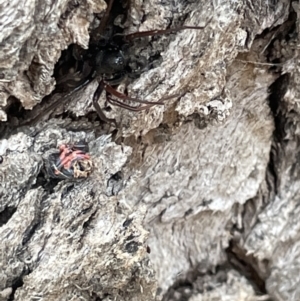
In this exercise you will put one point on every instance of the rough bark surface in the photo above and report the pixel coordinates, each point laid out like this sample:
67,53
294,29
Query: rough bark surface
194,200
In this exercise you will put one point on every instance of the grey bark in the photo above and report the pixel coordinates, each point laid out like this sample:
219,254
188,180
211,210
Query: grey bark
209,182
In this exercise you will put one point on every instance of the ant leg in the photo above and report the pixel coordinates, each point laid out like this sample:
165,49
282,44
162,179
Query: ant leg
99,111
80,145
122,96
66,174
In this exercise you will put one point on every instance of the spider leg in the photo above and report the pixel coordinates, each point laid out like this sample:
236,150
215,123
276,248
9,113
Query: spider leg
56,103
125,106
122,96
151,33
99,111
137,109
117,80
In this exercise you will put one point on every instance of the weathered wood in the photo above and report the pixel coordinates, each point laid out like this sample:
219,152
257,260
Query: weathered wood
208,182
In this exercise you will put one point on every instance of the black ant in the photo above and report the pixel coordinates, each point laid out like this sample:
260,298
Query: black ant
107,59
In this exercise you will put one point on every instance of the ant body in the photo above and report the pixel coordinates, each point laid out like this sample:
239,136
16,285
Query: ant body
71,162
107,59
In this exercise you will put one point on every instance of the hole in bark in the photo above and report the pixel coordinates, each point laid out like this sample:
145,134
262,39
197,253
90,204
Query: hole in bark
199,121
127,222
188,212
132,247
14,109
115,184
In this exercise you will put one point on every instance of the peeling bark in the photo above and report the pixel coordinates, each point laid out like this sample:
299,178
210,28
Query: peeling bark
194,200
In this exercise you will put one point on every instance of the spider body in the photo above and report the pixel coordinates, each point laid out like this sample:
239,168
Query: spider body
108,59
110,62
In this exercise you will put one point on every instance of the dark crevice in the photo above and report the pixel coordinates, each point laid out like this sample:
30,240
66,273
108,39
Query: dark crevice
196,282
48,184
67,190
17,283
6,215
257,271
14,109
85,211
127,223
87,224
41,181
114,184
29,233
200,280
247,266
277,91
37,222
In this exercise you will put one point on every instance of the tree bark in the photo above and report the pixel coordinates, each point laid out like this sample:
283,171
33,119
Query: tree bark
194,200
